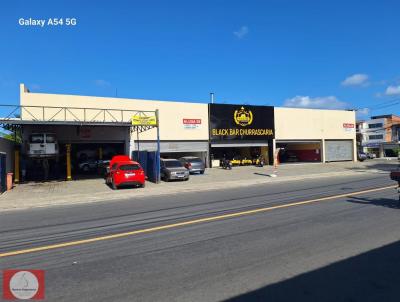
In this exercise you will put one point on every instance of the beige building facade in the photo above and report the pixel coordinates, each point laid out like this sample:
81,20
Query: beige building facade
183,127
89,123
328,132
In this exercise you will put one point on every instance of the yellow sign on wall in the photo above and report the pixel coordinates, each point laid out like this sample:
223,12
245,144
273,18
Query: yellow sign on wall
140,120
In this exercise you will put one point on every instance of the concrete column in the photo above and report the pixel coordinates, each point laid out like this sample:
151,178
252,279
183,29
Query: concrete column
323,156
129,143
208,157
16,166
381,153
271,151
354,150
100,153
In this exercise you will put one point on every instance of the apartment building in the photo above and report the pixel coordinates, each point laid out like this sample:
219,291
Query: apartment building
379,135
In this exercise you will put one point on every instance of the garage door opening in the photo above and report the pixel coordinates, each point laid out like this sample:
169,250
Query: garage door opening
177,155
239,156
88,160
299,152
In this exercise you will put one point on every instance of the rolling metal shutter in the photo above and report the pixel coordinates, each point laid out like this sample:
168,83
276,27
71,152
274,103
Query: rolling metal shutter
178,146
337,150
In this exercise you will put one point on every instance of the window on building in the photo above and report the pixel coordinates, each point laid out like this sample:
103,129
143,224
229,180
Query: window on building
380,136
377,125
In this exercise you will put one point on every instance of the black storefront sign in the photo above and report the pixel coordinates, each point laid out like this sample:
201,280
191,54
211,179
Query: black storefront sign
241,122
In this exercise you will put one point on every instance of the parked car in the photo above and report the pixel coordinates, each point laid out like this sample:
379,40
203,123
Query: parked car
172,169
371,155
125,172
86,154
93,165
291,157
361,156
42,145
193,164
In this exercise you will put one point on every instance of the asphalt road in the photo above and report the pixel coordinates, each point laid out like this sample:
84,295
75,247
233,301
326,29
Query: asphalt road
339,249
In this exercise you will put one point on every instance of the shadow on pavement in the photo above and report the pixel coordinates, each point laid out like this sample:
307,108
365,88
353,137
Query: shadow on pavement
262,174
382,202
371,276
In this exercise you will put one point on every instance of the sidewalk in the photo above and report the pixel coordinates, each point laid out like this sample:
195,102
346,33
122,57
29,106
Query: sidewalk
32,195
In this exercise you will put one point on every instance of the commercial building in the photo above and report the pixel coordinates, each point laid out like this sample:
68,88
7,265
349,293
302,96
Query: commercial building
92,127
379,135
315,135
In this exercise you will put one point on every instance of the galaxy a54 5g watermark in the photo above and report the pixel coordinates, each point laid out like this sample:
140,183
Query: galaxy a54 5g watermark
32,22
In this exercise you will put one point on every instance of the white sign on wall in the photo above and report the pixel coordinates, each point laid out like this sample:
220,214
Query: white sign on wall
349,127
191,123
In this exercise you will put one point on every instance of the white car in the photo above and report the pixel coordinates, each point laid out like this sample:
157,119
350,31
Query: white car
42,145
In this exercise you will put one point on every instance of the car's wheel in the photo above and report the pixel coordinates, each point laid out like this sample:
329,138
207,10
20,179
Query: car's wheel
186,179
143,185
113,186
201,172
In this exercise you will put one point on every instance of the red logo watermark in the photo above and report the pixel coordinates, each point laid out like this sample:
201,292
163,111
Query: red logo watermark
23,284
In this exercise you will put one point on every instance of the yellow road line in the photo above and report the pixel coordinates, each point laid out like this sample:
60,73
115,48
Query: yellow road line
185,223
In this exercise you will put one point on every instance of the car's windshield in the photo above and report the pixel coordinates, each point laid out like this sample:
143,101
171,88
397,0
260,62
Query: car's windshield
173,164
37,138
129,167
50,138
194,160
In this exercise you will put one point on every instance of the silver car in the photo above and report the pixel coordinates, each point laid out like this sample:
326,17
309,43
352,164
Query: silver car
173,169
193,164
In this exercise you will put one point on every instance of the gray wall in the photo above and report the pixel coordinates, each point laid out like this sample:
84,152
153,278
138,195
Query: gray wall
7,147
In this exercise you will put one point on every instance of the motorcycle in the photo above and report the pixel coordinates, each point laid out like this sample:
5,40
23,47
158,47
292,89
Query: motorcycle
226,164
259,162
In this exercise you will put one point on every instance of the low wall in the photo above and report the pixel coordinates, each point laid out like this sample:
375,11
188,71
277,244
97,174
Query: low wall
7,147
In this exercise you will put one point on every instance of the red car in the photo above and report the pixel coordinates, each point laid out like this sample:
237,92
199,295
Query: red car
125,172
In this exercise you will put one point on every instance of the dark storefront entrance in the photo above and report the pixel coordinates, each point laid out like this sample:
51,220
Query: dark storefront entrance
89,149
299,151
87,160
241,133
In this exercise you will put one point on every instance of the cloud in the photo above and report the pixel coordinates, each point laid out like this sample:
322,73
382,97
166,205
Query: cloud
327,102
102,83
393,90
358,79
242,32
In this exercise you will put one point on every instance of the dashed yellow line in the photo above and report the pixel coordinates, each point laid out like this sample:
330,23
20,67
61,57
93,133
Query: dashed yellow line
186,223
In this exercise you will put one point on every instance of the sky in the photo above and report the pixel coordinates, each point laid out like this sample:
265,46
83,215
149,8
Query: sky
299,53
